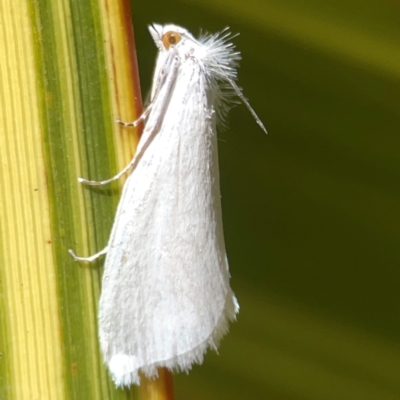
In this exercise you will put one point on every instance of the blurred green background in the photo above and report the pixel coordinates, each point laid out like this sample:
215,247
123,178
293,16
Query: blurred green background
311,211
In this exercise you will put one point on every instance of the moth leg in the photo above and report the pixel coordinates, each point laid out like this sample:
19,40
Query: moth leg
88,259
138,121
114,178
158,106
126,169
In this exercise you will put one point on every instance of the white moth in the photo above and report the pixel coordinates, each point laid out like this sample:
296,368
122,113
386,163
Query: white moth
165,295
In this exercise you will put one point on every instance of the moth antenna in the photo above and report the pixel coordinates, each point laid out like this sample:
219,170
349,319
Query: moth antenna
223,64
247,104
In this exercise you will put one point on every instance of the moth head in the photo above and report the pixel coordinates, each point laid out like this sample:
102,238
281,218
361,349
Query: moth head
171,38
165,36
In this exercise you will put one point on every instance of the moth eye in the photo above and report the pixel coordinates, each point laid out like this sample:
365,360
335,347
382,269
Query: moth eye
171,38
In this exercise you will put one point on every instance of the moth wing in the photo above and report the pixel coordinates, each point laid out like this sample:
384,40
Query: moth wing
166,296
